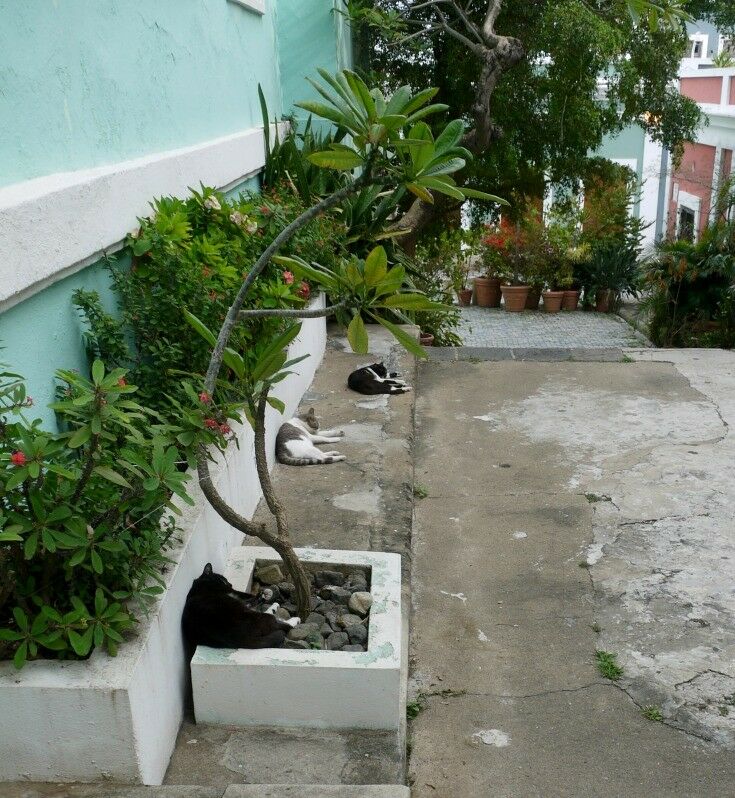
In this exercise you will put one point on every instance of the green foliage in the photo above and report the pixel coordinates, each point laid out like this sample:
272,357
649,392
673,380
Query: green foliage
192,256
651,712
607,665
81,529
692,290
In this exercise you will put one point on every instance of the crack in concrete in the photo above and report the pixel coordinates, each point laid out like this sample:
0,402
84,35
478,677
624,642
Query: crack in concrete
449,693
702,673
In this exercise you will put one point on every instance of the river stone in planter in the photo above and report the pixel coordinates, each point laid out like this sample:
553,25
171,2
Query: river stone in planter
349,620
357,633
316,618
337,640
286,588
337,594
356,581
300,644
360,602
269,574
303,631
325,578
283,613
326,629
333,621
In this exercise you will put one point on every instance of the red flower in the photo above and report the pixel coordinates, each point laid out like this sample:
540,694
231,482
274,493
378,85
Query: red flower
288,278
225,429
304,290
265,210
18,459
210,423
205,398
213,297
206,271
122,382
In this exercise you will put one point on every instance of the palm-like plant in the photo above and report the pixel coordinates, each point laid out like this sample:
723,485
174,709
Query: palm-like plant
390,147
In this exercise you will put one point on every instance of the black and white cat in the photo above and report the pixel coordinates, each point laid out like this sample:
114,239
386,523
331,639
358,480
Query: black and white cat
296,439
217,615
376,379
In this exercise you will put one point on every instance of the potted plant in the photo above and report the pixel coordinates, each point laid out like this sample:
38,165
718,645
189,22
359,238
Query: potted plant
578,257
614,271
560,277
487,287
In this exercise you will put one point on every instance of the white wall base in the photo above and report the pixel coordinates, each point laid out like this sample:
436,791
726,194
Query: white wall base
318,689
117,717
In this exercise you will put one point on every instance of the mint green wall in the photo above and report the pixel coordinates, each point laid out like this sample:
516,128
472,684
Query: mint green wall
90,82
629,143
311,34
44,333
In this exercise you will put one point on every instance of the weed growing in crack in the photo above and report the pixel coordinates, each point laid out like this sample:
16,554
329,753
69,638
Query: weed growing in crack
607,665
652,713
413,708
596,628
593,498
420,491
584,564
724,711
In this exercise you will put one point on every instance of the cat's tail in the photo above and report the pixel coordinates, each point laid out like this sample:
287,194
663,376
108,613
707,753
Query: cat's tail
286,459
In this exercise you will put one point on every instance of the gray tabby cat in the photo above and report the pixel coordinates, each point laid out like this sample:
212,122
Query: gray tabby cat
296,438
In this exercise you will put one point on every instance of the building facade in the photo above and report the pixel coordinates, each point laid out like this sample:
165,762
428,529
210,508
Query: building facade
106,104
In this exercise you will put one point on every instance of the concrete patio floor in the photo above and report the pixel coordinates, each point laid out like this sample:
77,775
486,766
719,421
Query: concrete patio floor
573,507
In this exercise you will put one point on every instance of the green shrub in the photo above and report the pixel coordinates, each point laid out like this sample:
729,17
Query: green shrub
82,537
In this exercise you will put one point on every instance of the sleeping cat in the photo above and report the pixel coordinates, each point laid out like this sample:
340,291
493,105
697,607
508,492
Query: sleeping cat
217,615
296,438
376,379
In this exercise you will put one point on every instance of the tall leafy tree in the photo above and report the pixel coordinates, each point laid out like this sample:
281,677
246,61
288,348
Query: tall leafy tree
539,84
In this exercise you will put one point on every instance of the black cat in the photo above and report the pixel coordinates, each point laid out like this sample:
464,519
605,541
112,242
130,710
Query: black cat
217,615
376,379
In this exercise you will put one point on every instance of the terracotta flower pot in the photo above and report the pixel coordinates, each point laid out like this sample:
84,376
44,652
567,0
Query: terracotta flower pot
487,292
426,339
534,297
464,296
571,299
603,300
553,300
515,297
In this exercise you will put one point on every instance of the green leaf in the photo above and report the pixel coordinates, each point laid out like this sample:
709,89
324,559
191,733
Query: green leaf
325,112
82,644
443,166
201,328
473,193
357,335
234,360
376,266
443,188
80,437
19,660
20,618
405,339
449,137
112,476
420,192
10,537
98,371
412,302
96,562
30,546
345,160
277,404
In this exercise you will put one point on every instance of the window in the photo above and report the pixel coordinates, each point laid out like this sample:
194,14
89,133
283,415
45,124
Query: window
698,45
686,225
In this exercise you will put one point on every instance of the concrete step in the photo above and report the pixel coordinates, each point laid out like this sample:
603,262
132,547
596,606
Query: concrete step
28,790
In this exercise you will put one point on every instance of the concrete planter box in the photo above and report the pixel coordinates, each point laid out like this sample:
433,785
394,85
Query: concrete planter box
118,717
319,689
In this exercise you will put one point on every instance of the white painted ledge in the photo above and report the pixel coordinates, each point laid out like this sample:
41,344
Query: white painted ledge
258,6
56,225
317,689
117,717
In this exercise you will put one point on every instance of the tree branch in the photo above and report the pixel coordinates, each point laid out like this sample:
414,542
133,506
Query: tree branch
295,313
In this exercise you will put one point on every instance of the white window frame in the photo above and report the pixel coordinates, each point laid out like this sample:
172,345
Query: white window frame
691,203
257,6
721,44
703,38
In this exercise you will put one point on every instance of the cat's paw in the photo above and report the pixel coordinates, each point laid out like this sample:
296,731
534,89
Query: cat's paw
292,622
272,609
266,594
339,433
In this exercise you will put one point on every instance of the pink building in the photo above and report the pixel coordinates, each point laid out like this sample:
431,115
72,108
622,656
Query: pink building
692,187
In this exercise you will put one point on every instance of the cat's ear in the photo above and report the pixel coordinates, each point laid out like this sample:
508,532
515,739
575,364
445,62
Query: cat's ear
310,412
207,569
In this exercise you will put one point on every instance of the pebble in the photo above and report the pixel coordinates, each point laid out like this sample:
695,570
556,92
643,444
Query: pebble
337,594
325,578
337,640
283,613
360,602
269,574
349,620
316,618
301,644
357,633
286,588
303,631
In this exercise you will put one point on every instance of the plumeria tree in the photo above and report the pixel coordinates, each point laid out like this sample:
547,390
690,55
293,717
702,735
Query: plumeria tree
391,147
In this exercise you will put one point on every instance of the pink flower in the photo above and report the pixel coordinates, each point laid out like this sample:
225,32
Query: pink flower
210,423
122,382
304,290
288,278
205,398
18,459
225,429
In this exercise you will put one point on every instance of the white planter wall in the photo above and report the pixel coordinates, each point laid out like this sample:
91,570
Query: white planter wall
117,717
